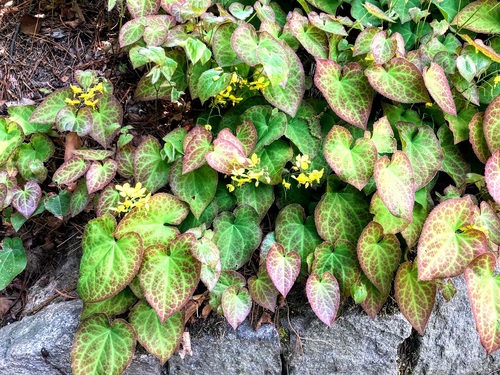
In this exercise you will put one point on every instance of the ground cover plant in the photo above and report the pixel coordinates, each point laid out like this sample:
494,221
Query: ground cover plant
366,133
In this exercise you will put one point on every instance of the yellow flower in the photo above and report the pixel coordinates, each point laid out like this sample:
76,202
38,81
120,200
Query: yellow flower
302,161
475,227
254,160
496,81
92,103
215,78
234,78
316,175
72,101
134,197
287,185
230,187
76,89
259,84
234,99
208,127
302,179
428,104
241,181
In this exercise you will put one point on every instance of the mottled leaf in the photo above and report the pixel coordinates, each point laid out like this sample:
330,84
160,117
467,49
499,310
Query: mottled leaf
149,167
491,125
236,304
262,289
492,176
12,260
99,175
26,200
283,267
324,296
113,306
482,16
477,138
439,88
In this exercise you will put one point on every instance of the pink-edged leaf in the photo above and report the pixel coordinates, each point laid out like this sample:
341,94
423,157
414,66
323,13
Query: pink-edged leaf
364,40
374,299
491,221
484,293
107,120
395,184
149,167
411,233
125,161
68,119
383,136
79,198
46,112
348,93
480,16
492,175
236,304
139,8
3,194
247,134
323,294
352,162
245,43
491,125
108,198
314,40
382,48
422,147
398,80
438,86
99,175
227,148
477,138
207,252
378,255
71,170
209,276
447,245
415,298
89,154
262,289
196,144
283,268
26,200
390,223
326,23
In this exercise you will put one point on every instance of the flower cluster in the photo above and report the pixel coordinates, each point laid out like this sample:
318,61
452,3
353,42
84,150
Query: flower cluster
246,171
307,179
88,97
133,197
233,93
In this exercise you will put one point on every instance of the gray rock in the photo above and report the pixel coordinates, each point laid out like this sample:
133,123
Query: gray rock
219,349
355,344
451,343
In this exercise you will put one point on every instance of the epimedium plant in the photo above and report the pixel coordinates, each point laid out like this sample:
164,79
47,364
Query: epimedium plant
369,132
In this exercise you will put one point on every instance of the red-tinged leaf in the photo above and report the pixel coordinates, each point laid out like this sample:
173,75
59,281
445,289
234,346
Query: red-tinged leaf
364,40
46,112
247,134
245,43
79,198
312,39
170,275
411,233
68,119
492,175
438,86
99,175
149,167
26,200
395,184
447,245
108,198
236,305
491,125
262,290
422,147
482,16
398,80
479,45
327,23
210,276
348,93
196,144
374,300
378,255
477,138
107,120
491,221
89,154
382,48
222,158
352,162
383,136
207,252
484,293
283,268
71,170
125,161
221,45
415,298
323,294
390,223
377,12
139,8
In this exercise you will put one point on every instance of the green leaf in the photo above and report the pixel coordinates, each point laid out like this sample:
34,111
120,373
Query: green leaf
314,40
99,175
147,90
79,198
237,235
422,147
221,45
477,138
139,8
491,175
447,245
352,162
170,275
247,134
12,260
58,204
108,265
398,80
113,306
11,136
326,23
21,114
226,279
88,154
383,136
101,348
482,16
454,163
491,125
70,171
159,339
327,6
206,252
207,217
283,267
125,160
236,304
155,224
197,188
259,198
438,86
360,12
272,55
415,298
382,48
239,11
491,221
342,215
71,120
212,82
269,126
108,198
262,289
484,293
378,255
374,298
459,124
196,144
363,41
26,200
274,157
149,167
226,201
46,112
296,233
244,42
390,223
395,184
303,130
324,296
157,29
106,121
348,93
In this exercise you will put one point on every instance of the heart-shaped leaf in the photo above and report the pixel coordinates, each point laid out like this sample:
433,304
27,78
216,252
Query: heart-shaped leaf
227,148
411,233
272,55
58,204
348,93
490,220
155,224
415,298
383,136
106,122
226,279
239,12
352,162
108,265
314,40
283,267
438,86
326,23
170,275
212,82
382,48
324,296
237,235
245,43
459,124
390,223
492,175
116,305
484,293
374,300
125,161
447,245
70,171
221,42
99,347
108,198
378,255
364,40
195,147
20,114
422,147
159,339
71,120
12,260
304,129
262,289
269,126
11,136
480,16
236,304
89,154
477,138
247,134
398,80
491,125
99,175
395,184
273,158
26,200
47,111
139,8
206,252
149,167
